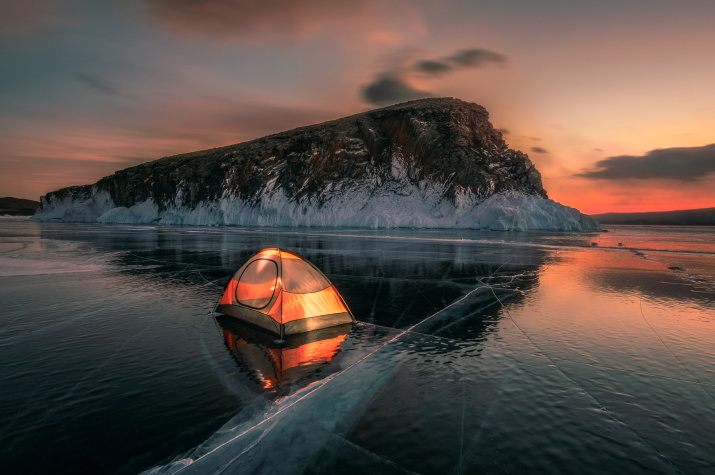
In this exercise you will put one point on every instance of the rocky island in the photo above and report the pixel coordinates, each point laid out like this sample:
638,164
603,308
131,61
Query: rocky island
428,163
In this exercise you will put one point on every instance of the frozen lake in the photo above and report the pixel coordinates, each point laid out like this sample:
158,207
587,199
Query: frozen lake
476,352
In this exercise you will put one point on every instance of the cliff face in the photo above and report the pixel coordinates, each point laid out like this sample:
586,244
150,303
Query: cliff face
436,157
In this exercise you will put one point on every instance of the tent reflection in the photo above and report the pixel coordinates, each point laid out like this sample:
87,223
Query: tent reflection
277,370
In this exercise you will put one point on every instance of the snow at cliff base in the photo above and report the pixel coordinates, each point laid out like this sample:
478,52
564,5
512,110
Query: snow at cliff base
393,205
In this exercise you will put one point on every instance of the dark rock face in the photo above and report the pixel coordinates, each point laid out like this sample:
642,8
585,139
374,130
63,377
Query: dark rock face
445,141
17,206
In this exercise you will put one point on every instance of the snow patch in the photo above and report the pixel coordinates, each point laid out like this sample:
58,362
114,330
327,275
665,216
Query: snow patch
145,212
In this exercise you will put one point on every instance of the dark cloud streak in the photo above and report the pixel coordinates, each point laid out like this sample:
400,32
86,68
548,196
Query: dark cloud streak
474,58
432,67
389,89
97,83
686,164
466,58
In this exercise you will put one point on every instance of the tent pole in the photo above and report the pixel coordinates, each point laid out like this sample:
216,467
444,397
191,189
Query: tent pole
281,341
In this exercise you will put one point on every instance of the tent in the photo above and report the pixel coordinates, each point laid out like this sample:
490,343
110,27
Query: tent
283,293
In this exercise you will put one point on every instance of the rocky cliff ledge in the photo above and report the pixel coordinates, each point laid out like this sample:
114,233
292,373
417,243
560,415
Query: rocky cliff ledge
425,163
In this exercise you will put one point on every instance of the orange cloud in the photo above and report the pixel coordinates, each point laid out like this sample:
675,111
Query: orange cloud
245,18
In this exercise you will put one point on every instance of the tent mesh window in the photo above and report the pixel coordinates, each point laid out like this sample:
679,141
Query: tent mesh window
299,277
257,283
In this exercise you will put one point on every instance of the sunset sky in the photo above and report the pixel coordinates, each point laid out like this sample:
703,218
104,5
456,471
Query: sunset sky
614,101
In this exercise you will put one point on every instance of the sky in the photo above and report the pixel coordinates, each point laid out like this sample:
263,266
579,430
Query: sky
613,101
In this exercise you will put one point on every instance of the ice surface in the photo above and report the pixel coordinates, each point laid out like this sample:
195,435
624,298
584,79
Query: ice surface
17,266
477,352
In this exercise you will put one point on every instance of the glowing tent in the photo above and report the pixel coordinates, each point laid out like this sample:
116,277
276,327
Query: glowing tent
281,292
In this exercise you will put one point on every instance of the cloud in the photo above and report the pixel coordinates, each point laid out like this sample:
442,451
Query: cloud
432,67
466,58
503,131
389,89
475,58
97,83
539,150
685,164
242,18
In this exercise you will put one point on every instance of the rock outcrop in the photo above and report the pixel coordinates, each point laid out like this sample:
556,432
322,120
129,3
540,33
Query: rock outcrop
424,163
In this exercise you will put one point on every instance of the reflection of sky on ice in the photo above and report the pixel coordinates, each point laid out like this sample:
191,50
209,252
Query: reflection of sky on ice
481,352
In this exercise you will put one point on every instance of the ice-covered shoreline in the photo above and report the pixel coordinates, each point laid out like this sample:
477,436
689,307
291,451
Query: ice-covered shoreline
391,206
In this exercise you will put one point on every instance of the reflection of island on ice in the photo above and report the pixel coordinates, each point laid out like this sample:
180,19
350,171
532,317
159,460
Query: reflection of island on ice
277,370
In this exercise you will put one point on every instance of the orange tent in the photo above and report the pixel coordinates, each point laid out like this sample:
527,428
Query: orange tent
283,293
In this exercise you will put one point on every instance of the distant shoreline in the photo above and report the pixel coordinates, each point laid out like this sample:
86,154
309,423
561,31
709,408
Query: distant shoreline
688,217
17,206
